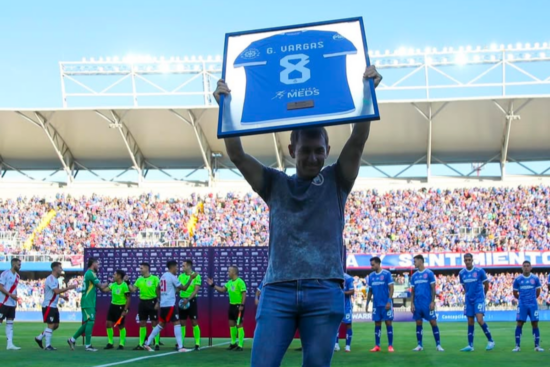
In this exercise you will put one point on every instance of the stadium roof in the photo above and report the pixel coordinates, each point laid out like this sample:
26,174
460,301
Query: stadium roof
462,131
433,111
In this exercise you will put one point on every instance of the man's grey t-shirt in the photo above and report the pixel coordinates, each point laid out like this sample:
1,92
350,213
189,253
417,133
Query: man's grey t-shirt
306,223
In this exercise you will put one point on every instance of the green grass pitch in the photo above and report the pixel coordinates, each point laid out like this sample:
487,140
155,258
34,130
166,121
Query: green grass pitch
453,339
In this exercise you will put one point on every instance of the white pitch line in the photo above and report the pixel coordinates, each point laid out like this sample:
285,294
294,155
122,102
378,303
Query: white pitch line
156,356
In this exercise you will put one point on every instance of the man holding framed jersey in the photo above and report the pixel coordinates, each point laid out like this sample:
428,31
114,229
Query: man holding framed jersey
303,283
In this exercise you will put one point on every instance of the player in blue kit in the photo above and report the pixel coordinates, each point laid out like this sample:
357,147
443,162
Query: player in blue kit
293,67
380,284
475,284
423,302
527,290
349,290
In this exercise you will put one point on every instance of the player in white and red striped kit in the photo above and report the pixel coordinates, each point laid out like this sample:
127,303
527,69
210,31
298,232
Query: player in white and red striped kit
8,299
169,285
50,313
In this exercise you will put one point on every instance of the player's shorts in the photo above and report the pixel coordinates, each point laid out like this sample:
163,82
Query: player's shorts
146,310
424,313
233,313
7,312
527,311
88,314
381,314
471,309
191,313
115,313
348,316
50,315
168,314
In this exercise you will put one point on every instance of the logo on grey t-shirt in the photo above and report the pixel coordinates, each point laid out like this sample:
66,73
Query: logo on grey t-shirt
319,180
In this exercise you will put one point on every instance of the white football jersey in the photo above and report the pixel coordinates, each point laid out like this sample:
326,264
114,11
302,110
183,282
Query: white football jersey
9,281
169,284
50,298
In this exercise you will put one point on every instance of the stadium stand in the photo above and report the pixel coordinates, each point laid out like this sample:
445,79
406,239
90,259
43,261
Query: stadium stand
397,221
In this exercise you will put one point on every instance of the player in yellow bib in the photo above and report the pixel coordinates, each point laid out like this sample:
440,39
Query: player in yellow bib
188,303
88,304
236,288
120,305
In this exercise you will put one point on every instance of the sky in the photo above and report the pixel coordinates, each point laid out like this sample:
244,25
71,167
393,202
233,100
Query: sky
36,35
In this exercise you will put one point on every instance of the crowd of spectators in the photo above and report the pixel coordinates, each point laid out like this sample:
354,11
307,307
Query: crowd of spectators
427,220
412,221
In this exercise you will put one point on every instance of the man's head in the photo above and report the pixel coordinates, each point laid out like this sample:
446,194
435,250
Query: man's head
419,261
172,266
375,263
16,264
526,266
144,269
93,264
187,266
310,148
233,272
57,269
469,261
119,275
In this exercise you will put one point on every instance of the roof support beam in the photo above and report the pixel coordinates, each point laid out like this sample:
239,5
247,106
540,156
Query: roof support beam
510,115
61,148
279,152
201,139
4,169
138,160
429,118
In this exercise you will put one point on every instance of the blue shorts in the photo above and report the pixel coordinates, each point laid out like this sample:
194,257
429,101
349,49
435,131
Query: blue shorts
424,313
348,316
472,308
381,314
527,311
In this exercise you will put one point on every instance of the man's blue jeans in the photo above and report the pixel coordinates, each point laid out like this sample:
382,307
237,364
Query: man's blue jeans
314,307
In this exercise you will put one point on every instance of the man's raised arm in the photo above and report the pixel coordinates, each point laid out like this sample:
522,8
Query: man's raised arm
350,158
251,169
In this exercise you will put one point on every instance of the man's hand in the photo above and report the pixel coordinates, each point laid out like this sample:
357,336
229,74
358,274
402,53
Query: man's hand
413,308
241,307
256,301
13,296
432,306
371,73
193,276
185,301
388,306
222,89
71,287
210,281
157,306
367,307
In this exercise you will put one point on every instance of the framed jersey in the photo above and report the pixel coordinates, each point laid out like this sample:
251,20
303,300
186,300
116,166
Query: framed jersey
294,77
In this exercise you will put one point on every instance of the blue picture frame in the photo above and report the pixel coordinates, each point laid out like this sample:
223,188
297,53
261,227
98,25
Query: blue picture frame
329,122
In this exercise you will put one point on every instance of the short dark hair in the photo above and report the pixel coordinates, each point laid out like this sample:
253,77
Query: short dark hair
121,273
376,260
171,263
526,262
189,262
311,132
419,257
145,264
55,264
15,260
236,268
469,255
92,261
